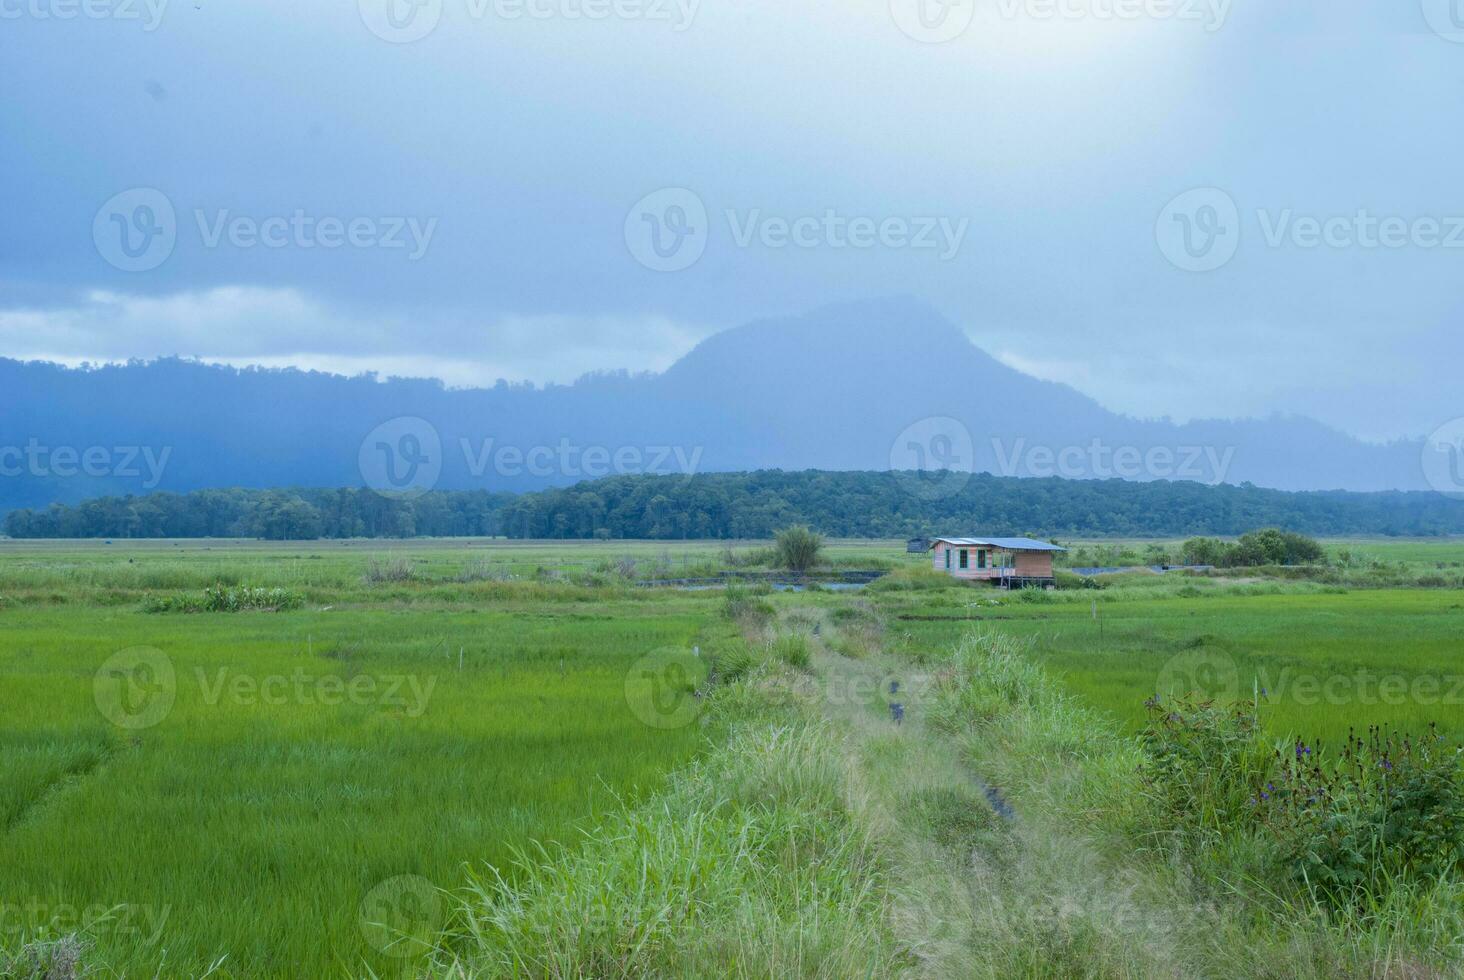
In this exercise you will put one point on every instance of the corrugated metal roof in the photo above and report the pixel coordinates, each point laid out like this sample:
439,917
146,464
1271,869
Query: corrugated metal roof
1012,544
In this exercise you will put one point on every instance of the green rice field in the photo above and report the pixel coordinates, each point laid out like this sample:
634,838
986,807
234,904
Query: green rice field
299,792
248,787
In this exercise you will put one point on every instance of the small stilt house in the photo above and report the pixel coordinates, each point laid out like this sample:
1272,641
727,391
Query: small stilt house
1013,563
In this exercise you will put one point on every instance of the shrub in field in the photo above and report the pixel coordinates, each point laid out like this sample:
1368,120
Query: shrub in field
797,548
221,598
1390,807
1270,546
1348,828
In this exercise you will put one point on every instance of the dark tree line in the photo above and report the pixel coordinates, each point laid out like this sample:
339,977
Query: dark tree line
281,515
754,505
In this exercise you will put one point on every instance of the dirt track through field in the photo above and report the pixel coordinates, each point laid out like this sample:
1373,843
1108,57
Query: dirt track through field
980,887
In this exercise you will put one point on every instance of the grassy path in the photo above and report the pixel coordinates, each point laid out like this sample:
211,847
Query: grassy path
978,893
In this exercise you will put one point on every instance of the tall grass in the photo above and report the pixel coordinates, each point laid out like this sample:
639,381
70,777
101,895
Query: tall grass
748,864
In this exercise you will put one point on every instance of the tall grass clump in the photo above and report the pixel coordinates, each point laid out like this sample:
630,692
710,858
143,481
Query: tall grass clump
749,864
45,959
751,611
797,548
791,649
389,570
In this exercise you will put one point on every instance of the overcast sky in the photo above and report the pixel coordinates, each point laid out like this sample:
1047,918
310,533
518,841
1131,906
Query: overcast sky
1189,208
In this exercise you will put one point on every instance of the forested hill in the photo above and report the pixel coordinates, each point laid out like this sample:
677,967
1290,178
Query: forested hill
847,387
754,505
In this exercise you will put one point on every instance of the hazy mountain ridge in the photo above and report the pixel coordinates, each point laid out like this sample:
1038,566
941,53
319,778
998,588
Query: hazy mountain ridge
837,389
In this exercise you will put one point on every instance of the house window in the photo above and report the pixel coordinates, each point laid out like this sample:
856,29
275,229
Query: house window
980,559
948,559
965,558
